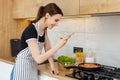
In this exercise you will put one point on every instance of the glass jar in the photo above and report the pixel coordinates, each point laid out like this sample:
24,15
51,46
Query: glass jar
79,57
89,56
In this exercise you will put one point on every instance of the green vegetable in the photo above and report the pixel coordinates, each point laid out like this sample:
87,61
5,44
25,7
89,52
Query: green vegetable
66,59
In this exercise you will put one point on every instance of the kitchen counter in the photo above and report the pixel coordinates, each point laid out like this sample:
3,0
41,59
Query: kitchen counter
44,69
9,60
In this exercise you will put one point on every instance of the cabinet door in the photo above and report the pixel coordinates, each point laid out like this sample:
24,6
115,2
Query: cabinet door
111,6
92,6
29,8
5,70
25,8
69,7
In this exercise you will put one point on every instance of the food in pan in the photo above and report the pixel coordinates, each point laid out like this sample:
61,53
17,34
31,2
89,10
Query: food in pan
89,65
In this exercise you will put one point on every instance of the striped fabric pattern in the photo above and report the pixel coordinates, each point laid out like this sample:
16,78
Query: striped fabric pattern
25,68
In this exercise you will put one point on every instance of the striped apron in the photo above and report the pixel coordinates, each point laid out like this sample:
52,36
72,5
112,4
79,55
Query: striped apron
25,67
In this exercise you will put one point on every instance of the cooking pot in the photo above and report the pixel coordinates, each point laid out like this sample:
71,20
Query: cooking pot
86,66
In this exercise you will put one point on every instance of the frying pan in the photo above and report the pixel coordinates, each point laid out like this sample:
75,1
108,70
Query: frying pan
86,66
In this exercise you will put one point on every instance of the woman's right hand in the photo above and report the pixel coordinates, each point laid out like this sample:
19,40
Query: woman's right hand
62,41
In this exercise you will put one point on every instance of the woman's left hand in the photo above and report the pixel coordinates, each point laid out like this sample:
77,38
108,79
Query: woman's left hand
54,71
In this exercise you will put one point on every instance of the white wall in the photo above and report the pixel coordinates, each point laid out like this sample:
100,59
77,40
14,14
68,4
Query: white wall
101,34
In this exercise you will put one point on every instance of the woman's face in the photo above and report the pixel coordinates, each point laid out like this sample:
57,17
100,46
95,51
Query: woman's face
52,21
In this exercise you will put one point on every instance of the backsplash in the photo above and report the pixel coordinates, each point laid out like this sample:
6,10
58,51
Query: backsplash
101,34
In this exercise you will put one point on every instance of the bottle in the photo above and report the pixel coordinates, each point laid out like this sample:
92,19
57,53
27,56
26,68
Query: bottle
79,57
89,56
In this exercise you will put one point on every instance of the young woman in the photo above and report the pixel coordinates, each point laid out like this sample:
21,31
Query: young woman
33,39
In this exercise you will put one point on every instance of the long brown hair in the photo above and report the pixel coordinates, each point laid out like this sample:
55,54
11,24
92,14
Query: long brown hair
50,8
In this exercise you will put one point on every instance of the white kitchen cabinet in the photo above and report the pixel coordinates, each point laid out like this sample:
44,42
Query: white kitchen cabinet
5,70
45,77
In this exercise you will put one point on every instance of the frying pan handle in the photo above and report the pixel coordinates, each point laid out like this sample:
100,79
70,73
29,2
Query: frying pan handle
69,67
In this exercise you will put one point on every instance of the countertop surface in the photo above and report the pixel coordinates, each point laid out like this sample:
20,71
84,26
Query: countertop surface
44,69
9,60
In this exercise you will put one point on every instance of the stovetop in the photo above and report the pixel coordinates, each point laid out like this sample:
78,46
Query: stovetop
104,73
